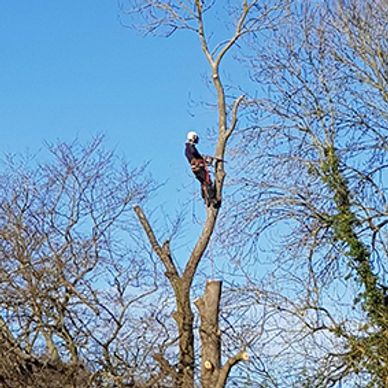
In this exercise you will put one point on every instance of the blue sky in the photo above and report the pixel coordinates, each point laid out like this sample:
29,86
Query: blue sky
69,69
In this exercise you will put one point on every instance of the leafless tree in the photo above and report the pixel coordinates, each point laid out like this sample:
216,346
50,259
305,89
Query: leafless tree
165,18
86,300
312,185
72,291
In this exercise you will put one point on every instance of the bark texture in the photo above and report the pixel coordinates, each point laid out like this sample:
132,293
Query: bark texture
209,306
213,373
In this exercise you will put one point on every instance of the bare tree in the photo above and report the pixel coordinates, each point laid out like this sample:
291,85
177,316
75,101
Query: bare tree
165,18
83,306
67,279
313,165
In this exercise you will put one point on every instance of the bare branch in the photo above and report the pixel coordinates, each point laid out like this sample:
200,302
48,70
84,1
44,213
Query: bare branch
227,367
201,244
163,252
234,115
201,32
238,32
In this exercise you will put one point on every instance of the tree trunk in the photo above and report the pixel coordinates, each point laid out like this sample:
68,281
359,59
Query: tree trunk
209,308
184,320
213,374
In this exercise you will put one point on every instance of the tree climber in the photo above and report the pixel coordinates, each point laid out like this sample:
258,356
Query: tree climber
199,166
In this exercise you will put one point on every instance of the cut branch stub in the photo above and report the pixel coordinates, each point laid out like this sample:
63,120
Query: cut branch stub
227,367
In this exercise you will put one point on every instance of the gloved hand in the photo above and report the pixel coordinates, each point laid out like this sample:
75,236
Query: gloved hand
208,159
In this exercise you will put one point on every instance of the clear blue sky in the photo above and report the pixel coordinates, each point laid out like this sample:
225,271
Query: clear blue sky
69,69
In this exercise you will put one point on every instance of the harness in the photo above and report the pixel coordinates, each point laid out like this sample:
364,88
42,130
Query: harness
198,165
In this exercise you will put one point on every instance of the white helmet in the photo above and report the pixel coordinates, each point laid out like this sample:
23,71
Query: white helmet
192,137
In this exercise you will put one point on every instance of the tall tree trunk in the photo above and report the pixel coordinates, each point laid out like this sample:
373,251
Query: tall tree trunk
213,374
184,320
209,308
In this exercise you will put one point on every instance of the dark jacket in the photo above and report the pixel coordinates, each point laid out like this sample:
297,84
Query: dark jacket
191,152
